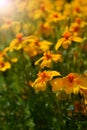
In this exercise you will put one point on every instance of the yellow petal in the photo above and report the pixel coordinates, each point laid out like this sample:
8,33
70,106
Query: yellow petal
59,43
46,42
82,81
67,85
54,73
57,84
77,39
46,63
76,89
84,91
38,60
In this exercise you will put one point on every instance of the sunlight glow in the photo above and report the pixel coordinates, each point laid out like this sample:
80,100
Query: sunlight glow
5,6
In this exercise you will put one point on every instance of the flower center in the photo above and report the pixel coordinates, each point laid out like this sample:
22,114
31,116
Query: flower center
76,28
78,20
67,35
77,9
44,76
48,55
19,37
71,77
2,64
55,15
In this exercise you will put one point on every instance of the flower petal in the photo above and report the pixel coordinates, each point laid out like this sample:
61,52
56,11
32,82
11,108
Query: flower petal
77,39
59,43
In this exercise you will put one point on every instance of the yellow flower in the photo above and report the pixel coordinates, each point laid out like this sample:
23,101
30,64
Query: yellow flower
77,26
17,43
48,58
36,46
43,77
9,24
45,29
33,48
71,83
67,83
55,17
20,42
3,53
66,40
4,65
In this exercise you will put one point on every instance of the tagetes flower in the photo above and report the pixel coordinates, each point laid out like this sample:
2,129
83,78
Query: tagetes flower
3,53
70,83
32,49
67,39
67,83
45,29
20,42
9,24
47,59
17,43
43,77
36,46
4,65
77,26
55,17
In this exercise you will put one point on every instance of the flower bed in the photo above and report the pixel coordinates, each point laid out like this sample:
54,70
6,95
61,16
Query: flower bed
43,65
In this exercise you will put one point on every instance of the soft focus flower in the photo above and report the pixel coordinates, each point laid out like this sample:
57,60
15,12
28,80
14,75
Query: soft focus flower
45,29
36,46
43,77
67,39
4,65
3,53
70,83
17,43
21,42
78,26
48,58
55,17
11,25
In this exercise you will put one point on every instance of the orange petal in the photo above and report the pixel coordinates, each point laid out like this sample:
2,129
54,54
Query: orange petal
56,84
82,81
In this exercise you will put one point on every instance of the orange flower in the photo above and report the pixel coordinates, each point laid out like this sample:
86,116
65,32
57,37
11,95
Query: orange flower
4,65
66,40
67,83
43,77
77,26
36,46
48,58
3,53
20,42
55,17
17,43
71,83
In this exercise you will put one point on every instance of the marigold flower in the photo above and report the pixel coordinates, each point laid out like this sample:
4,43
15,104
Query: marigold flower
36,46
77,26
4,65
43,77
9,24
17,43
70,83
48,58
20,41
55,17
66,40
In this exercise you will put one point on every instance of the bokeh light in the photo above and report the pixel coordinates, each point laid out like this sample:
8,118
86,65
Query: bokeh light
6,7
